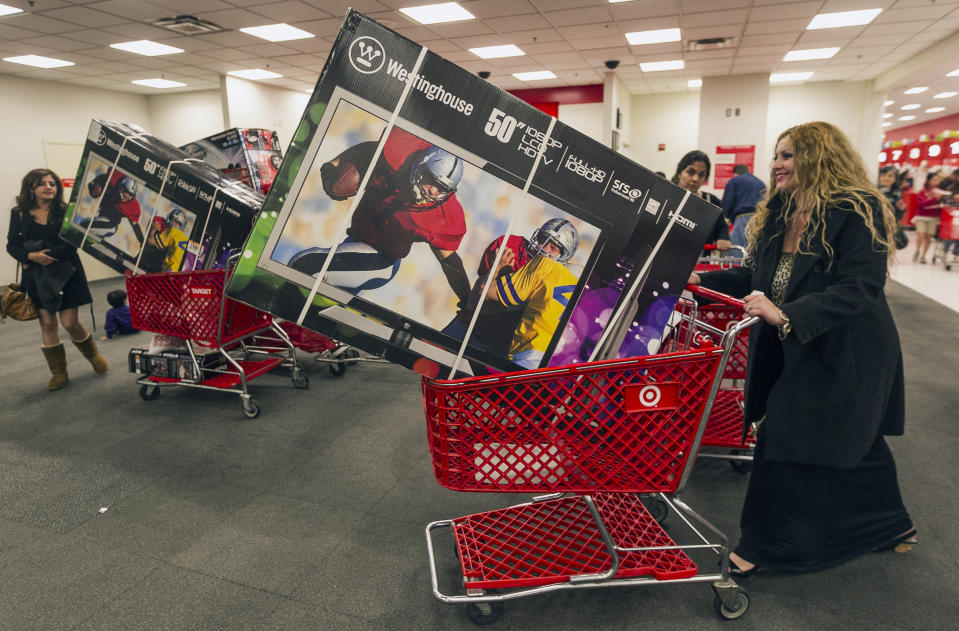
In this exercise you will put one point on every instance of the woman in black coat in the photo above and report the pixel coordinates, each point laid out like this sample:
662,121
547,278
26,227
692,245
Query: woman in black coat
824,376
53,276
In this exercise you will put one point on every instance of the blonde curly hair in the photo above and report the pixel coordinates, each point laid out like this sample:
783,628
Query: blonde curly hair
826,171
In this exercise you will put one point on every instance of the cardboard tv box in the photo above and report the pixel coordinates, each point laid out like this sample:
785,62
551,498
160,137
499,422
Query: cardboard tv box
142,205
250,155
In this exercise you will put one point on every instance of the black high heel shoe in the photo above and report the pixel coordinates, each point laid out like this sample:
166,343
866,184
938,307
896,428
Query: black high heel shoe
736,572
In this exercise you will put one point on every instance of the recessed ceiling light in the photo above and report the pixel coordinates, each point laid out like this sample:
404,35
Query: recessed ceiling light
911,106
159,83
659,36
438,13
810,53
887,115
146,47
536,75
254,74
887,124
695,83
277,32
785,77
945,95
658,66
907,118
918,90
933,110
885,103
494,52
954,73
7,10
843,18
38,61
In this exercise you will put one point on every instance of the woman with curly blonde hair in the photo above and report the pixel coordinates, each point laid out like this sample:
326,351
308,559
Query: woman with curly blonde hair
824,378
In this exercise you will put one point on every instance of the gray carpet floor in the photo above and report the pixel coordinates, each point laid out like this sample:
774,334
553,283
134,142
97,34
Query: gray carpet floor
181,513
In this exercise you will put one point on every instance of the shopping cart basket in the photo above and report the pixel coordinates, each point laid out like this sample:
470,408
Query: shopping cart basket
714,259
594,436
194,307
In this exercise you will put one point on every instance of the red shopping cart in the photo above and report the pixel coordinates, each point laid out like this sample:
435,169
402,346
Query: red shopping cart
948,235
595,436
194,307
714,259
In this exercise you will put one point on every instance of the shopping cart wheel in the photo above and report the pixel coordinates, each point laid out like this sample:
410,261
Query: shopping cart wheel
738,608
149,393
301,380
484,613
250,408
337,369
658,509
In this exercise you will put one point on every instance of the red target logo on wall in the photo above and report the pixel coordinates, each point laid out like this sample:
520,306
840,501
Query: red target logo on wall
651,396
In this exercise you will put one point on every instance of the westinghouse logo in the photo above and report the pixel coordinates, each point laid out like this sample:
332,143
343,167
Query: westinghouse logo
367,55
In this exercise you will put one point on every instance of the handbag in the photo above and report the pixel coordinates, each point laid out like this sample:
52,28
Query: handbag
16,303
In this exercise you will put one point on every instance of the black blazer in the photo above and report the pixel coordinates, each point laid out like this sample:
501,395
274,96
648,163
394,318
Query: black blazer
836,382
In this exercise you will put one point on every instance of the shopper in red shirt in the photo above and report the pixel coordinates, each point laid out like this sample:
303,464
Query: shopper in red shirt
926,220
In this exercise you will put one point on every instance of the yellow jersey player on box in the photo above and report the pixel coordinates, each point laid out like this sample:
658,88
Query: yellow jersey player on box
542,288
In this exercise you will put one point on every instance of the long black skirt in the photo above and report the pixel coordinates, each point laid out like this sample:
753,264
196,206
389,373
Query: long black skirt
805,518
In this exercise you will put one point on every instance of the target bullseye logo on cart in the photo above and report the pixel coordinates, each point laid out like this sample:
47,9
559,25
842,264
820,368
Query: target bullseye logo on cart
367,55
650,397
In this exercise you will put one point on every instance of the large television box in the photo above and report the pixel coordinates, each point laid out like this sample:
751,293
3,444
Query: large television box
408,184
250,155
142,205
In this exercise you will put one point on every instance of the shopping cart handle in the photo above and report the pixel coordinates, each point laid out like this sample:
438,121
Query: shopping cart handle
716,296
710,246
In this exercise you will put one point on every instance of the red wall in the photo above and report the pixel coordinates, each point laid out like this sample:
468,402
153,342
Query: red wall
569,95
930,128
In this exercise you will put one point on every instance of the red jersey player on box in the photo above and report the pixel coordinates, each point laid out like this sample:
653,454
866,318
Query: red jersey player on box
119,202
409,198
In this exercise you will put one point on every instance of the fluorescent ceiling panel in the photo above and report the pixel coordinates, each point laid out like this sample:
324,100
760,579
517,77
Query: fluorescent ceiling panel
786,77
918,90
8,10
659,36
38,61
438,13
537,75
945,95
254,74
841,19
158,83
933,110
495,52
695,83
277,32
146,47
810,53
658,66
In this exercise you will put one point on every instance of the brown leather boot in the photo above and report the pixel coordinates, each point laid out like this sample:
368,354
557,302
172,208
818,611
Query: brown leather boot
56,357
89,349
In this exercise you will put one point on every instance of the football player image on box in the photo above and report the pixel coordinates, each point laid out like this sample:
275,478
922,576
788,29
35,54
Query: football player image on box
410,198
166,242
541,288
118,202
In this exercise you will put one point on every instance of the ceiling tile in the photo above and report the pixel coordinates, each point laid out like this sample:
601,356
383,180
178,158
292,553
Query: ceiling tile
130,32
673,48
700,6
313,45
231,39
547,48
84,16
716,18
518,23
288,11
599,31
488,9
39,23
584,15
452,30
134,10
56,42
644,9
863,41
703,32
233,18
776,26
191,7
911,14
804,10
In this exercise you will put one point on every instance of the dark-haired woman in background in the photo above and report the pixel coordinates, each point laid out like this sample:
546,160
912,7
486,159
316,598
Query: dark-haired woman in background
53,276
825,371
889,186
691,173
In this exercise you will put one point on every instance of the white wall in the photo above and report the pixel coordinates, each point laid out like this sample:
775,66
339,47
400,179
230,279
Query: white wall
186,116
670,118
852,106
733,111
36,111
586,118
251,104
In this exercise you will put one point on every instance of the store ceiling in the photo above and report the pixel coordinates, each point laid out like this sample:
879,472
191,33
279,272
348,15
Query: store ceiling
572,38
